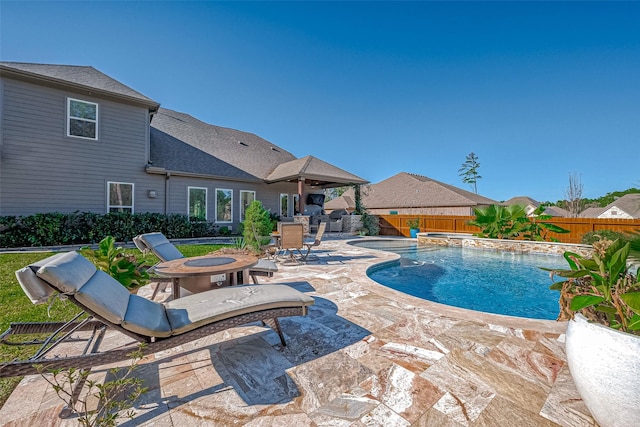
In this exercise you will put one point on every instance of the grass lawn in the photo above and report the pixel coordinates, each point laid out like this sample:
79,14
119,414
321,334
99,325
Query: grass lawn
16,307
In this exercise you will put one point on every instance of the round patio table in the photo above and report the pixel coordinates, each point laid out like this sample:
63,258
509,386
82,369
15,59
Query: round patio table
205,265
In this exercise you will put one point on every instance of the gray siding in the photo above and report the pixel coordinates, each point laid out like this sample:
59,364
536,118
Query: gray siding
269,195
43,170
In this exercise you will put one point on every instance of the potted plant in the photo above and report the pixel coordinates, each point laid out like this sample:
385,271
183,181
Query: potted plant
414,227
601,301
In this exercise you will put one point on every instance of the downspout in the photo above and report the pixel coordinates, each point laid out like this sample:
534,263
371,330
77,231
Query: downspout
166,193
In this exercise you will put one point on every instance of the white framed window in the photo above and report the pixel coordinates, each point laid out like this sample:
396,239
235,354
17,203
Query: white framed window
119,197
82,119
246,197
284,204
197,203
224,205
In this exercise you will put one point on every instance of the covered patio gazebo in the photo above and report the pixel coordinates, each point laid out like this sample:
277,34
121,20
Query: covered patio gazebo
312,173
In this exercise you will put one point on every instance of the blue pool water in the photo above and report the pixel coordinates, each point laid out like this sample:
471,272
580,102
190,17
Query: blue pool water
482,280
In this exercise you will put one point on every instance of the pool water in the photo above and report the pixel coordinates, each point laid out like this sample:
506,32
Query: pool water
482,280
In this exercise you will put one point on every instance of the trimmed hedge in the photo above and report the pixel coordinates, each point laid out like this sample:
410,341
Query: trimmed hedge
54,228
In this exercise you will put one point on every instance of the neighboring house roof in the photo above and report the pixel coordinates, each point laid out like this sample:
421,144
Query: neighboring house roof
629,204
343,202
180,142
522,200
406,190
314,171
556,211
81,77
591,212
534,204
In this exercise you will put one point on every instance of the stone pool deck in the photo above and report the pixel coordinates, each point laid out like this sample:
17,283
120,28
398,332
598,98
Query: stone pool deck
365,355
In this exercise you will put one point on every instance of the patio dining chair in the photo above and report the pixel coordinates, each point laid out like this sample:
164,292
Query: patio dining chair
106,304
291,240
311,243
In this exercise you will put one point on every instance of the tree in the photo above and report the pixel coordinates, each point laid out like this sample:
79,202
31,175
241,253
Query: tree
469,171
573,196
334,193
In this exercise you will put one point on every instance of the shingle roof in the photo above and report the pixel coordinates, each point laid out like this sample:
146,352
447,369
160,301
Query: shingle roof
313,170
591,212
629,203
78,76
522,200
406,190
556,211
180,142
343,202
526,201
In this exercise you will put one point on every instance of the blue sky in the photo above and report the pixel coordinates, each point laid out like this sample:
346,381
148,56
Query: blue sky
536,90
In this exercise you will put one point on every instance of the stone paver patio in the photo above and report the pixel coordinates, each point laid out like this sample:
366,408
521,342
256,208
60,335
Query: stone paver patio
365,355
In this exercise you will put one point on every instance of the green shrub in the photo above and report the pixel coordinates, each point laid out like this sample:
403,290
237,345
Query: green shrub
257,223
370,224
594,236
54,228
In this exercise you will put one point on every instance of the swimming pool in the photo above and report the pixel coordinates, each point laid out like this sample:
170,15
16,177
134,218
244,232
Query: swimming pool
482,280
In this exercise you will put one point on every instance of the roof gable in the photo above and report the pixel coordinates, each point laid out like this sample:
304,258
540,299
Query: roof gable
523,201
314,170
629,204
76,76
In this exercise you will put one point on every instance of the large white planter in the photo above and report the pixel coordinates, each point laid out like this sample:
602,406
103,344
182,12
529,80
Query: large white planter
605,366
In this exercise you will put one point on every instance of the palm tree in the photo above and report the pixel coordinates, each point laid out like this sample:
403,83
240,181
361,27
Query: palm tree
469,171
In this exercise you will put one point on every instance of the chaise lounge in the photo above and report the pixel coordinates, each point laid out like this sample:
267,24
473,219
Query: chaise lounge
161,326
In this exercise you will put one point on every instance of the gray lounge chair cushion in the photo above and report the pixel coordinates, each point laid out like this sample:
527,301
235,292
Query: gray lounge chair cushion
193,311
160,246
68,272
146,317
105,296
35,288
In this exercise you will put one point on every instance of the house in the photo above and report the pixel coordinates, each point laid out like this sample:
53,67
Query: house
407,193
592,212
74,139
530,205
625,207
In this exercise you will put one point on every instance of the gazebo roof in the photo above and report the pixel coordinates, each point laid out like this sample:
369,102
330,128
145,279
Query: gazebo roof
314,172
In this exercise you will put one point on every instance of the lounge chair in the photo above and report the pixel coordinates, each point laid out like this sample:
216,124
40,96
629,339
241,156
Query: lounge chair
108,304
311,243
161,247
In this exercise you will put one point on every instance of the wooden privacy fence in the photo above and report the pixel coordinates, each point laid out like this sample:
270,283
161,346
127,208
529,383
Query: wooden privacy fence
396,225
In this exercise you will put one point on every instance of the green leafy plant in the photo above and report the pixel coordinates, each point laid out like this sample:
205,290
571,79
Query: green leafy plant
413,223
239,243
536,229
510,222
601,288
499,222
121,266
102,403
370,224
